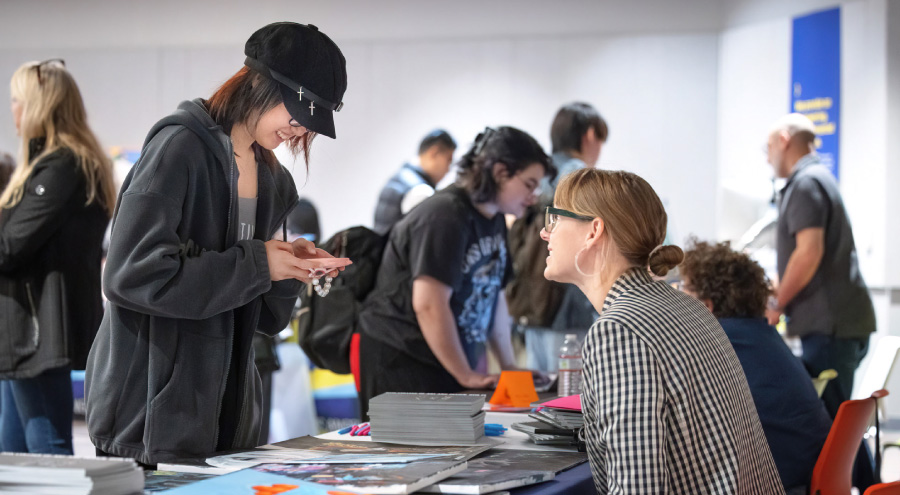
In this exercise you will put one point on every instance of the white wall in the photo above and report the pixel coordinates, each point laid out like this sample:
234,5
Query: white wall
754,75
102,23
644,86
892,233
656,91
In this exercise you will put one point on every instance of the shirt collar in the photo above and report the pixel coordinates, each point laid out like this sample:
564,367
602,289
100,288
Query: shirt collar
565,163
417,168
632,278
804,161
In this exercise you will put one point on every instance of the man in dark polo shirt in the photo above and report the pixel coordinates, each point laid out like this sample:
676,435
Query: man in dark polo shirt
820,289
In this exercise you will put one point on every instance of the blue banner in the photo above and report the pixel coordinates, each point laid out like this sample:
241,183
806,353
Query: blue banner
816,79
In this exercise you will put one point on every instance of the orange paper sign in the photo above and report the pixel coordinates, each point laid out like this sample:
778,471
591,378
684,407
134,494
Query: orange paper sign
273,489
515,388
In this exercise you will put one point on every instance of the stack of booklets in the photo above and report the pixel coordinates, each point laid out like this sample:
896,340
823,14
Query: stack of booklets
531,429
36,474
555,422
558,418
427,419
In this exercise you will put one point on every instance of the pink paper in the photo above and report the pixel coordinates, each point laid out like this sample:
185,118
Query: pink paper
571,403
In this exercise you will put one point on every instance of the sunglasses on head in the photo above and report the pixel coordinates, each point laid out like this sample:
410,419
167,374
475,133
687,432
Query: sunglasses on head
38,66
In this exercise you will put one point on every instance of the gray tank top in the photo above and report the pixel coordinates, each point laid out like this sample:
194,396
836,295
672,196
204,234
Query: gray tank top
246,218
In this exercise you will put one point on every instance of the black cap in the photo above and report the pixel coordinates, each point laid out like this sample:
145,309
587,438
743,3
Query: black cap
309,67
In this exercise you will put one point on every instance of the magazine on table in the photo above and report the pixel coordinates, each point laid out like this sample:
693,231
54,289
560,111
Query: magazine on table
504,469
370,478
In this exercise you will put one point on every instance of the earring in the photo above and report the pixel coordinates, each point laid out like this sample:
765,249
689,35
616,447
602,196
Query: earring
578,267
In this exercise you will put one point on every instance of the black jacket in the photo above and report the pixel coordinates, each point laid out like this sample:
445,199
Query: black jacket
50,252
184,298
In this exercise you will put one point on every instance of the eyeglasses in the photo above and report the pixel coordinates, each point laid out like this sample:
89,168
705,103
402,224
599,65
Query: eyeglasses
551,217
37,67
532,186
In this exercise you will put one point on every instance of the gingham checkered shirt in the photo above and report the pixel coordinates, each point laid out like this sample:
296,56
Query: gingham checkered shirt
666,405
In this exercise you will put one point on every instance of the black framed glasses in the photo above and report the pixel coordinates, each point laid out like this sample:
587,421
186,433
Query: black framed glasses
38,66
551,217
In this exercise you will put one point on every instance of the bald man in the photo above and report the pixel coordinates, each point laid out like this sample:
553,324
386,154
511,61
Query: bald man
820,289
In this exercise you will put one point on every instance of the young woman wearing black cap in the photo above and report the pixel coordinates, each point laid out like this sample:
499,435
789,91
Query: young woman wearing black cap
194,268
438,301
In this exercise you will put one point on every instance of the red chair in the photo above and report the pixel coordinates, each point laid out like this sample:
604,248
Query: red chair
833,470
354,359
884,489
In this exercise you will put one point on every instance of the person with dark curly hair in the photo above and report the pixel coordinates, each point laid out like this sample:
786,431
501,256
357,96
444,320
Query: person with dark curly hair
794,419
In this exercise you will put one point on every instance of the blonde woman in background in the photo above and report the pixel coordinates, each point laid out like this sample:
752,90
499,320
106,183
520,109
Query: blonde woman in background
54,212
666,404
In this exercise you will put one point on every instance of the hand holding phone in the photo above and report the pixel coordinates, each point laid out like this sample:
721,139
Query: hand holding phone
322,266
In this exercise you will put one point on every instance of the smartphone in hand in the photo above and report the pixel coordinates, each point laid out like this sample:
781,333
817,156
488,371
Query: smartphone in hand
322,266
329,262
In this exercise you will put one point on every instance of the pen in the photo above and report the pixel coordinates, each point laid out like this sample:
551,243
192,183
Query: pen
493,429
358,429
346,430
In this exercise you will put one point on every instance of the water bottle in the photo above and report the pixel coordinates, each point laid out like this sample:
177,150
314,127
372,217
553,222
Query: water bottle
570,364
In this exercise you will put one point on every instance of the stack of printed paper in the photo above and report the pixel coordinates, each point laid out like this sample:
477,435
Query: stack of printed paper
67,475
427,419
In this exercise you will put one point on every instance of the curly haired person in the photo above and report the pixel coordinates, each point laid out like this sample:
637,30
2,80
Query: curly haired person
735,290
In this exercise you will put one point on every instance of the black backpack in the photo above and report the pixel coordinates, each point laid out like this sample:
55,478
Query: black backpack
532,299
327,324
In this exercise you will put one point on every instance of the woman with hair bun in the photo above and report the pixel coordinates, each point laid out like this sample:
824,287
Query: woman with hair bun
666,404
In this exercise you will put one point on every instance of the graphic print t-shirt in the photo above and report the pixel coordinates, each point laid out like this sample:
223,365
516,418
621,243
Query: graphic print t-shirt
447,239
246,218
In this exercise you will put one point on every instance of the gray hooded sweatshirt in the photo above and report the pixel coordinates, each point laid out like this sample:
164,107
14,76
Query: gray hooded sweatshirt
185,298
